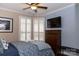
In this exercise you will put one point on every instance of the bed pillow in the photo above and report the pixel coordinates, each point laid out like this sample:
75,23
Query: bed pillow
4,43
1,47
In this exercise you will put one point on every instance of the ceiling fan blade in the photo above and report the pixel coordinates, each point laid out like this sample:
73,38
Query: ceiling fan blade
26,8
42,7
34,3
28,4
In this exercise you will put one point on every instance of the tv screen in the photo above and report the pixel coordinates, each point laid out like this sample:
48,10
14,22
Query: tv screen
54,22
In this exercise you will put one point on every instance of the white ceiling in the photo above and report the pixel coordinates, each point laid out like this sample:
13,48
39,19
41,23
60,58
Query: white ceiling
19,6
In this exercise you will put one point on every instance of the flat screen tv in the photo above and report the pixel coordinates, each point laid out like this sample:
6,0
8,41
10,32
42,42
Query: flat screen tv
54,22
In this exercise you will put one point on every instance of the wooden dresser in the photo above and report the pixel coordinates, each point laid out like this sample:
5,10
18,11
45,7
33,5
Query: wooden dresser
53,38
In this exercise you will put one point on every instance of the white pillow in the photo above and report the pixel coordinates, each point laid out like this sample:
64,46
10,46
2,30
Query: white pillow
4,43
1,48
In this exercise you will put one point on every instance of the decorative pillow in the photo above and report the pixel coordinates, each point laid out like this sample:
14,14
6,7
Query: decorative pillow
1,47
4,43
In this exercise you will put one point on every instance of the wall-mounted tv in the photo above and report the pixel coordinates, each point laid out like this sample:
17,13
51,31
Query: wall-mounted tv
54,22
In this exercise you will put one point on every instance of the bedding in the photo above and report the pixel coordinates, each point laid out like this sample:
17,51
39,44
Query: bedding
41,45
3,45
46,52
44,48
21,48
11,51
26,48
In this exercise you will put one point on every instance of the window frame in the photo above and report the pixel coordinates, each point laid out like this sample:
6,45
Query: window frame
32,29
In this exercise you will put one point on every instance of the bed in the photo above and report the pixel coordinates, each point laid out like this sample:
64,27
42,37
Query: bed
21,48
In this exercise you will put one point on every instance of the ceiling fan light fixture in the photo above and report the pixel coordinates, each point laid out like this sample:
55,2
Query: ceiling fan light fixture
33,7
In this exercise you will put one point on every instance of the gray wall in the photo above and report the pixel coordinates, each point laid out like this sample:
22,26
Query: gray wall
69,26
77,24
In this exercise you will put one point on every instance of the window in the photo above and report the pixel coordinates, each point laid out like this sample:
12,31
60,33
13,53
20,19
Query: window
31,29
22,29
38,31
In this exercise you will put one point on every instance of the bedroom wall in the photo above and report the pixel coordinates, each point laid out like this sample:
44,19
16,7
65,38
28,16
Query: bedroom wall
14,35
69,25
77,21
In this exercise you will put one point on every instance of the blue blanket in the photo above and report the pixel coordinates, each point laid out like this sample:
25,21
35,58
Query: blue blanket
28,49
11,51
31,49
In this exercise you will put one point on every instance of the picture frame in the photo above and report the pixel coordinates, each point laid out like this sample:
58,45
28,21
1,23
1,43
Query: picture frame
6,25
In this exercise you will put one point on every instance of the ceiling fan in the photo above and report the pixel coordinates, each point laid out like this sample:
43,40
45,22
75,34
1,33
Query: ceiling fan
34,6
